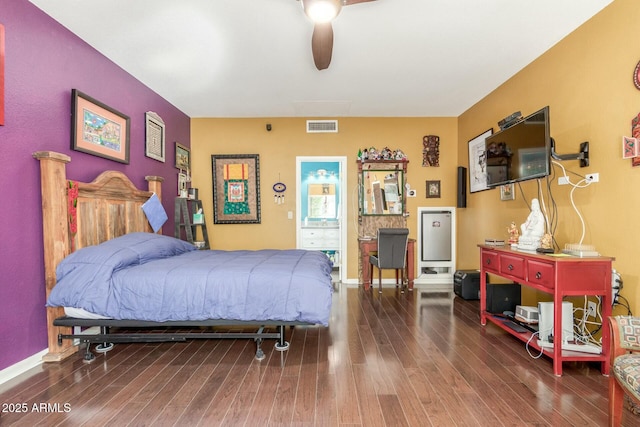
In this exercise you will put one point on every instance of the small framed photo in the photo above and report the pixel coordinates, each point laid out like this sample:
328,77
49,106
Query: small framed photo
155,147
508,192
98,129
183,157
433,189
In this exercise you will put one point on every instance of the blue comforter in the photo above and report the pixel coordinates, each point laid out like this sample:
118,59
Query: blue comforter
146,276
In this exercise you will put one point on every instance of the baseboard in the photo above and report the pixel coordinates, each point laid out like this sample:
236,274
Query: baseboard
21,367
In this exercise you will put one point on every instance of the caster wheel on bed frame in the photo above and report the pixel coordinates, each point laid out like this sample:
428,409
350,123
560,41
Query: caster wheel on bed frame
283,347
104,347
88,356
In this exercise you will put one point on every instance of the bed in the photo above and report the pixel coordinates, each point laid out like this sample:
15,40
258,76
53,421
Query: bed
105,268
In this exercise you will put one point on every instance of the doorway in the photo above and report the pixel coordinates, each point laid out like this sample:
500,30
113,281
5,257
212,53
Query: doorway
321,208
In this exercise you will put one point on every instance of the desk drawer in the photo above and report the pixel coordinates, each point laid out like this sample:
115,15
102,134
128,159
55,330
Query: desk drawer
490,261
512,265
541,273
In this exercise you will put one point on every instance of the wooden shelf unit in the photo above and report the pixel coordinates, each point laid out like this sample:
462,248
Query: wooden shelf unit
558,276
184,210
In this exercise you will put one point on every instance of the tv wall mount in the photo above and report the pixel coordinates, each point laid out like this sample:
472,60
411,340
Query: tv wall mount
583,155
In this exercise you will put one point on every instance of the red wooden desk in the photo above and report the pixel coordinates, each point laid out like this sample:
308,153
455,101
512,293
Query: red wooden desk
559,277
371,245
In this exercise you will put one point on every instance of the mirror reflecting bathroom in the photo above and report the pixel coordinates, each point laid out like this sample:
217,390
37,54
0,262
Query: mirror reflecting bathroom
382,192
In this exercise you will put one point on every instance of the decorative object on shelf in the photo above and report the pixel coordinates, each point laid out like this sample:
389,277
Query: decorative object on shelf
430,150
494,242
514,234
532,229
279,188
98,129
433,189
182,185
198,217
507,192
636,76
372,154
478,162
236,188
155,136
192,194
547,241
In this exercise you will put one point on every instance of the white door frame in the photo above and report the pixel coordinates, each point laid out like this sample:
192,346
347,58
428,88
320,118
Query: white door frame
342,208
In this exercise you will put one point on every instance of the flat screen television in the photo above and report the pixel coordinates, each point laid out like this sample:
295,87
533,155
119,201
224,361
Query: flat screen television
519,152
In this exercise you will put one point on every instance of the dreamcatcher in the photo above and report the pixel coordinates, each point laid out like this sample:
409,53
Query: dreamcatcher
279,188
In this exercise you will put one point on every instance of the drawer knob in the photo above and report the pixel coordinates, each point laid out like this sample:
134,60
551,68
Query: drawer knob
510,267
538,275
488,261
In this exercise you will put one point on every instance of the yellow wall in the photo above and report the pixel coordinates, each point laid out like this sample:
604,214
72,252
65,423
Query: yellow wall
287,139
586,81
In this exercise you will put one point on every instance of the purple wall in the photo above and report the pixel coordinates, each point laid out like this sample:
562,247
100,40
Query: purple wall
44,61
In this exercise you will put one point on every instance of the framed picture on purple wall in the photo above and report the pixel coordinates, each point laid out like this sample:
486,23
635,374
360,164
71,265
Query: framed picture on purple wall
155,141
98,129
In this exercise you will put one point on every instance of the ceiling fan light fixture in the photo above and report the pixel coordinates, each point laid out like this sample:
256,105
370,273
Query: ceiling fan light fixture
322,11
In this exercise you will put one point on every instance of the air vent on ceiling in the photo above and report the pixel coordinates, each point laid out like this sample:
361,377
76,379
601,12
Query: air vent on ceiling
322,126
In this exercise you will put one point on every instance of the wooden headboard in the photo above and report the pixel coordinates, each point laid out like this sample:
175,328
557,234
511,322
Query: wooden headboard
107,207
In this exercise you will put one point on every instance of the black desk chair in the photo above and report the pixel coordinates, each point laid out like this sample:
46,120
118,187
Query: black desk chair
392,254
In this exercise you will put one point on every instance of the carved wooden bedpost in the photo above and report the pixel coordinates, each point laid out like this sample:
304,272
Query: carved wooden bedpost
56,242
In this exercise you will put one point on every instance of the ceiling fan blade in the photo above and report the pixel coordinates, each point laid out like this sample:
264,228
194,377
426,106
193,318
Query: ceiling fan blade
322,45
349,2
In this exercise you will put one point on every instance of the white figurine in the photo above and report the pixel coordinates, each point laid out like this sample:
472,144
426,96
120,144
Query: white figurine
532,229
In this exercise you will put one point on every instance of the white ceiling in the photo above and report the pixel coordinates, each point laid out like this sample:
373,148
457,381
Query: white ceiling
252,58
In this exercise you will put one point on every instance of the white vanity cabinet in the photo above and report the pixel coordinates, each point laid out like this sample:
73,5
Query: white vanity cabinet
322,238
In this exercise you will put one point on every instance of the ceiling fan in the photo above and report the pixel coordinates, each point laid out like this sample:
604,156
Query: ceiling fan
322,12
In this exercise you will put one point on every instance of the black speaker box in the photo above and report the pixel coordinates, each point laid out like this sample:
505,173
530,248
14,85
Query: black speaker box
462,187
502,297
466,284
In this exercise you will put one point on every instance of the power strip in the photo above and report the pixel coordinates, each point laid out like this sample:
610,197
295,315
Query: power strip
582,348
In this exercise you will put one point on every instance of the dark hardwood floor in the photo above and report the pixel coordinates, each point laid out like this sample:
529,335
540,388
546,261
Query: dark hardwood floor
413,359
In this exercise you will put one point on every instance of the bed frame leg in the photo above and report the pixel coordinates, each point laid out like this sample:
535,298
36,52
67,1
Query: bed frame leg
282,344
105,346
88,356
259,352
